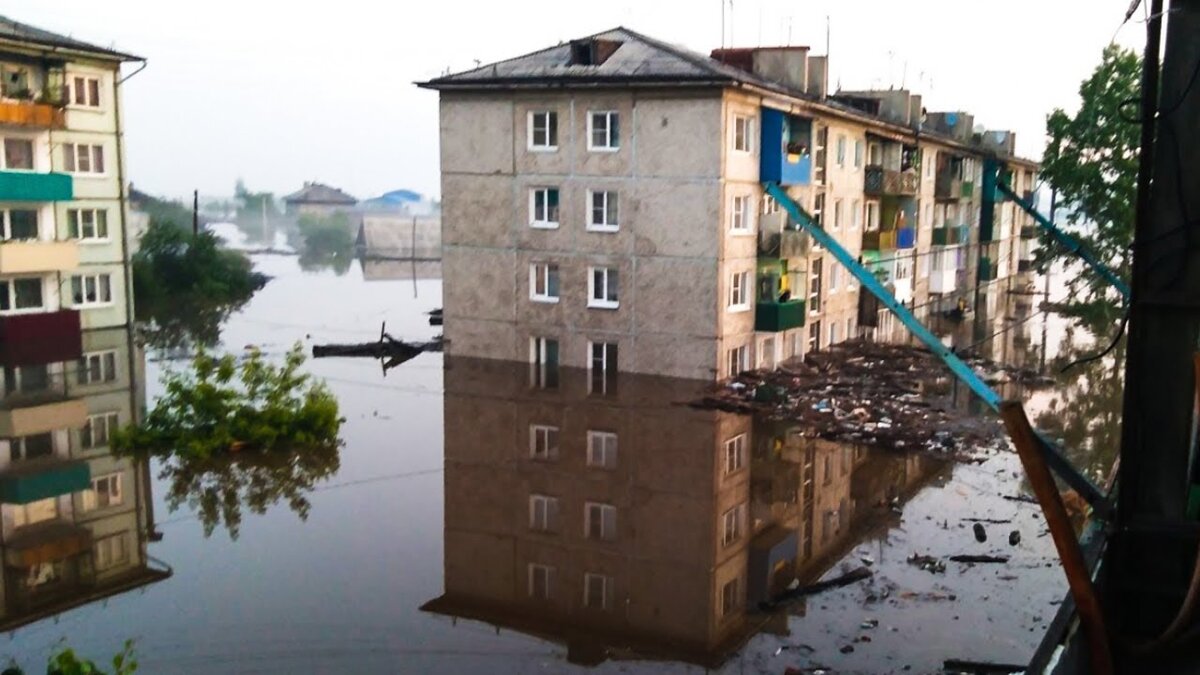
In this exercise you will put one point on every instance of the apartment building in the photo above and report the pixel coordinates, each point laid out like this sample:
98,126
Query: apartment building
617,522
73,518
603,207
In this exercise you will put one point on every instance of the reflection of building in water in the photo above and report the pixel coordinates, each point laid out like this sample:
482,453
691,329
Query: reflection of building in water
75,519
375,269
621,522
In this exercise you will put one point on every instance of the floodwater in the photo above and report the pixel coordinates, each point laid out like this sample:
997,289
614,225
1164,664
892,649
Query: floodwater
484,518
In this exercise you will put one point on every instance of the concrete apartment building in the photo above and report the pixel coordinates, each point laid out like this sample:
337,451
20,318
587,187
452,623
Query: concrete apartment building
603,207
620,523
73,518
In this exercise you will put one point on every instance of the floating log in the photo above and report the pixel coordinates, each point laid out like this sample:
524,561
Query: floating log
979,558
787,596
386,347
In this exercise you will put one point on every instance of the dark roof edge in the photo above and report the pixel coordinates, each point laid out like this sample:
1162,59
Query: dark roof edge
71,47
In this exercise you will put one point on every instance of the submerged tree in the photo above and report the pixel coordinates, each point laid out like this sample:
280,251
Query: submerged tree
1091,159
230,433
326,242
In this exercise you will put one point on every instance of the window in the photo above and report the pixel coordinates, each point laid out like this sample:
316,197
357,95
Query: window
111,551
97,429
87,224
604,211
841,151
743,133
872,215
25,448
875,155
540,581
17,295
735,453
732,524
731,598
602,357
543,282
603,131
543,130
833,333
596,590
18,154
26,379
929,216
600,521
822,138
835,274
98,367
850,328
738,360
105,492
739,220
837,213
602,449
856,210
770,205
91,289
739,292
818,212
18,224
83,158
814,286
928,158
35,512
543,362
543,442
603,283
85,91
858,153
543,513
543,207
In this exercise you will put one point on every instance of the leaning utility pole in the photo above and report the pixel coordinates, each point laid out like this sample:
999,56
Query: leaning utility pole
1151,559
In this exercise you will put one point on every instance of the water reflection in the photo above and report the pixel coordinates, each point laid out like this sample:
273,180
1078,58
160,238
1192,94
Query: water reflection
75,519
622,524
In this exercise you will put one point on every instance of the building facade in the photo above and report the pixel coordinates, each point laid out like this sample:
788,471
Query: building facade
603,208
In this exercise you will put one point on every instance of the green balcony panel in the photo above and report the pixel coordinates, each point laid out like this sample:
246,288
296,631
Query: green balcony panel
53,480
778,316
21,186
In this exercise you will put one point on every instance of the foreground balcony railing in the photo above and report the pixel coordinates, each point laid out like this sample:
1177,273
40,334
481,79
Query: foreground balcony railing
778,316
879,182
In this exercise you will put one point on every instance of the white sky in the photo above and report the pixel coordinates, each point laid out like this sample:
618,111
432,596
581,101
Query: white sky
279,93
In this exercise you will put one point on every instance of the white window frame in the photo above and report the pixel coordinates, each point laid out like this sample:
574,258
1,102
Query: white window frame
929,158
605,355
856,210
6,223
850,328
770,205
547,579
872,215
833,332
116,492
835,276
746,124
542,509
734,454
543,442
73,92
548,146
605,582
539,274
837,214
603,302
602,449
608,521
97,287
104,555
604,225
33,149
730,600
737,360
611,144
108,367
739,292
76,226
840,156
97,430
741,215
858,154
543,193
12,297
94,154
733,525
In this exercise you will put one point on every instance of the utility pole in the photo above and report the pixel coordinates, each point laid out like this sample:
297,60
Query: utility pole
1152,557
195,213
1046,292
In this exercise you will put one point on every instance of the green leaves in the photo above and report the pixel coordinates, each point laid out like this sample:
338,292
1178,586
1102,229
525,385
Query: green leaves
1091,159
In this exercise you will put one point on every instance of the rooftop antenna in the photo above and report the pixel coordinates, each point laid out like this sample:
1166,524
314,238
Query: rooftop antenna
722,24
904,74
732,37
789,37
760,21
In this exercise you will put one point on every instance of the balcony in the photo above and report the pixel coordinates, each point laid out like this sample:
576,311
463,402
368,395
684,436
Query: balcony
31,115
906,237
880,182
34,339
943,281
879,240
987,270
27,186
31,256
35,480
786,156
947,187
781,242
772,317
968,189
46,542
902,289
1029,232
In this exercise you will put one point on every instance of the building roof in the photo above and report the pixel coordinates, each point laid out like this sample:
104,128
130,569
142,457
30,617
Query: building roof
640,60
319,193
23,32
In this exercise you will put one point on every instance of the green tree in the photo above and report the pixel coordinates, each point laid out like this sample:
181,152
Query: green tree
1091,159
326,242
252,209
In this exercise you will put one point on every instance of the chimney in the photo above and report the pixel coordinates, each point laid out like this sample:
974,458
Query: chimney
788,66
818,76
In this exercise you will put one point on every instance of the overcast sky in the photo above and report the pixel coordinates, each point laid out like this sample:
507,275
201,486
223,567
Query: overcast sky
280,93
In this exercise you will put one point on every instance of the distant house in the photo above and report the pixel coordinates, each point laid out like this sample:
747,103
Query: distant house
318,199
400,201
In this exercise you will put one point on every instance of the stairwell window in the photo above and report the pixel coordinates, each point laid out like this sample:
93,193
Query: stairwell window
733,524
541,581
735,453
743,133
741,215
18,224
543,513
601,449
841,151
737,360
739,292
91,290
543,131
88,225
604,211
111,551
543,282
856,214
21,295
97,367
858,154
600,521
18,154
604,131
603,286
83,158
97,429
597,591
85,91
105,492
543,207
543,442
837,214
